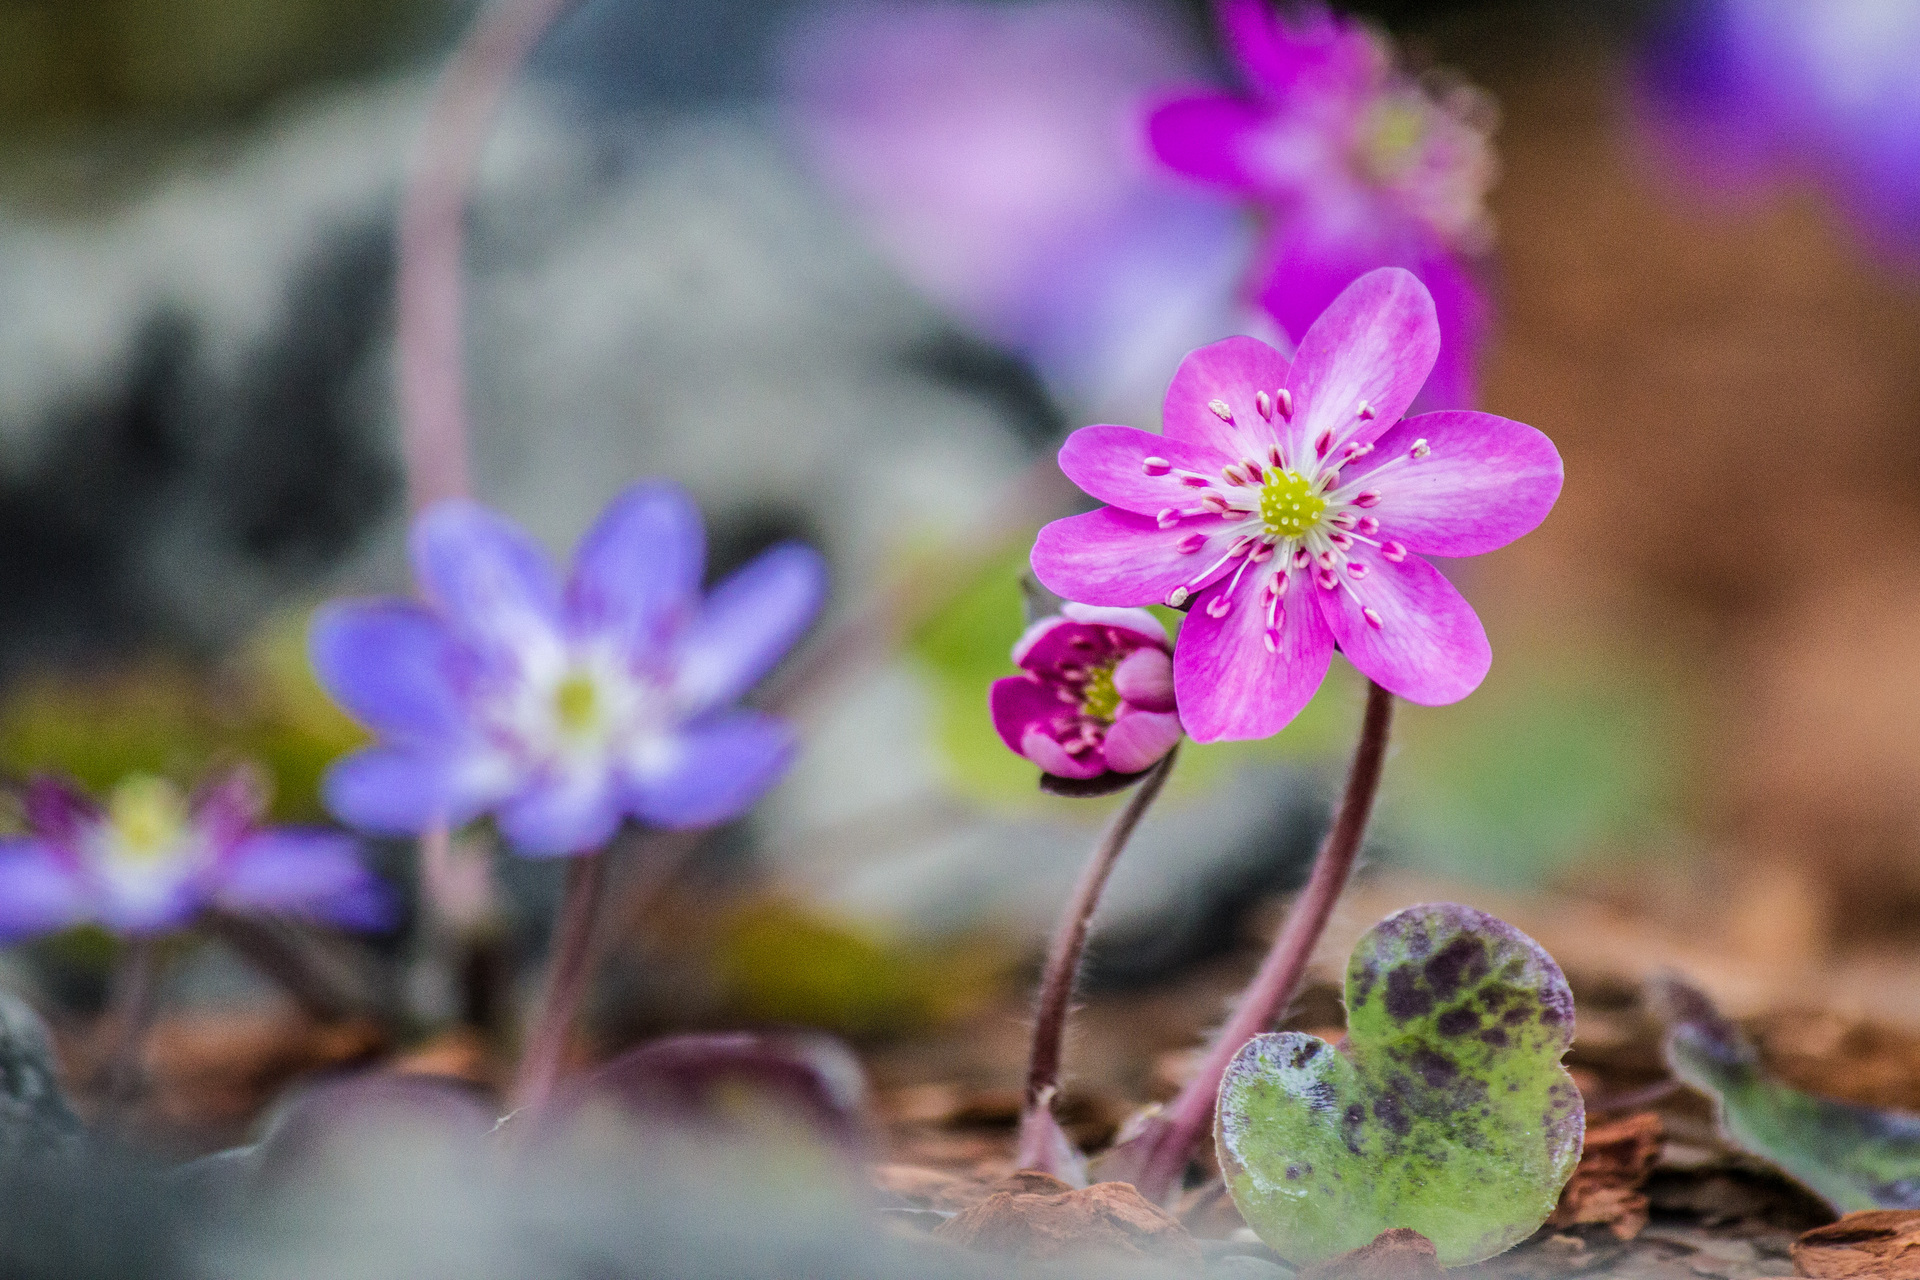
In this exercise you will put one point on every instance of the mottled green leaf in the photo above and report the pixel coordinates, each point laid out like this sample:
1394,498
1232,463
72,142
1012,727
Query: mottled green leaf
1853,1157
1445,1109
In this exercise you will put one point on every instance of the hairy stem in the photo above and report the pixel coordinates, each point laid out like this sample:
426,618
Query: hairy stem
1057,979
1159,1156
128,1016
568,970
431,242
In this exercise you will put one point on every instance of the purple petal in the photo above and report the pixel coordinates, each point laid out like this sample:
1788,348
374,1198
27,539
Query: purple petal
1374,346
638,569
1234,373
396,791
492,583
1463,314
1429,647
60,812
565,814
1229,685
714,772
39,892
1019,704
1144,678
747,625
1487,481
1276,49
391,665
1138,738
1205,137
313,873
1114,557
1111,464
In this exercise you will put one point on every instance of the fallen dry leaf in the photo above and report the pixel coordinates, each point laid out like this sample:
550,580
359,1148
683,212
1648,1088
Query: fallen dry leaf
1883,1244
1607,1187
1399,1254
1107,1218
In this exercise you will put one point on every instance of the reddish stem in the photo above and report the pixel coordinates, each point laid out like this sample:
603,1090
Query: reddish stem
431,241
567,973
1038,1142
1158,1157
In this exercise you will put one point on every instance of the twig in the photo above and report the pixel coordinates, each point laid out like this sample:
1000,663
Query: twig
1155,1160
1038,1134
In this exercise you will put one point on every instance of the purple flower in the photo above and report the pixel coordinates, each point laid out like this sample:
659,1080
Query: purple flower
995,153
1291,507
1354,165
1743,89
152,859
563,708
1097,696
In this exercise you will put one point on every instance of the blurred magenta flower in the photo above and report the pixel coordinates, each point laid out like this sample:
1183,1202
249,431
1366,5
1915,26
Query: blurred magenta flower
1291,507
1354,165
152,859
564,708
996,152
1097,696
1740,91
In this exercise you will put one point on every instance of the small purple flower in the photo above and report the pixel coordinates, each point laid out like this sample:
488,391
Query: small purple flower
1097,696
1291,506
152,859
563,708
1744,90
1354,165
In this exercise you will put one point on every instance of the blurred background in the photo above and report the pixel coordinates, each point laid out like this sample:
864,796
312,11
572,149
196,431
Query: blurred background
851,274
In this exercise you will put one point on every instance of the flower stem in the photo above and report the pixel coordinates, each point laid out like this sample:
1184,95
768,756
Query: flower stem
1038,1144
431,242
1158,1157
128,1016
567,975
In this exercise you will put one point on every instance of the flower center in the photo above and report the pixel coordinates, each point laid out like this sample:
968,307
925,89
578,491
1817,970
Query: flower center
148,816
577,705
1288,505
1099,700
1395,130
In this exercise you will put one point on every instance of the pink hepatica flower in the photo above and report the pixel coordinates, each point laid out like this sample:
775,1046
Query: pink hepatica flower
151,860
1355,165
1097,693
563,708
1290,508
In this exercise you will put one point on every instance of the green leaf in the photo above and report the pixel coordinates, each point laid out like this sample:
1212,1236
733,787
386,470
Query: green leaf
1853,1157
1445,1110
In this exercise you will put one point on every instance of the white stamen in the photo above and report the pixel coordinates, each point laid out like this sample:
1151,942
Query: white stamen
1155,466
1420,448
1373,619
1221,410
1177,597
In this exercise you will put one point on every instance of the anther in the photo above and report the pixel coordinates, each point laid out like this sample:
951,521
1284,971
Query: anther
1369,524
1215,503
1323,443
1221,410
1155,466
1191,543
1373,619
1277,458
1253,470
1177,597
1260,553
1366,498
1195,482
1264,403
1218,606
1420,448
1272,640
1358,569
1233,473
1340,540
1168,517
1394,551
1366,411
1300,557
1326,579
1284,398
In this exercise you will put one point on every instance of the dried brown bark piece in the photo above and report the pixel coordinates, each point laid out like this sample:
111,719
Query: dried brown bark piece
1107,1218
1606,1188
1880,1244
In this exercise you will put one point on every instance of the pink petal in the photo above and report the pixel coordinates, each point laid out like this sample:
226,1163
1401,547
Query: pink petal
1115,557
1143,624
1429,647
1487,481
1204,137
1229,685
1138,738
1463,314
1232,372
1144,678
1111,464
1021,704
1375,345
1041,748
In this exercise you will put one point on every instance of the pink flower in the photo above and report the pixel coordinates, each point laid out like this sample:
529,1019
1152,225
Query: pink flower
1290,507
1354,164
1097,696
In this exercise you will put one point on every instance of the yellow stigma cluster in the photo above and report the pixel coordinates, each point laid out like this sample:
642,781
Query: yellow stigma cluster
1288,504
1098,698
576,704
148,815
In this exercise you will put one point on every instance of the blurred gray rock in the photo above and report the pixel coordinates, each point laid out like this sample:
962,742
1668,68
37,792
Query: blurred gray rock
35,1120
